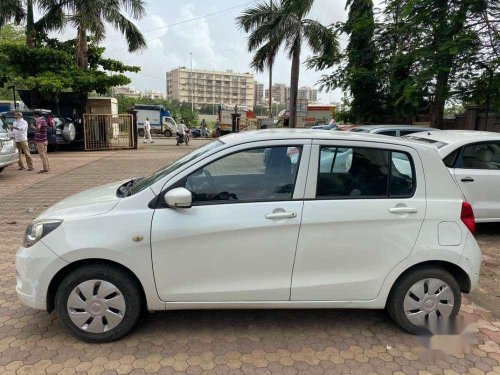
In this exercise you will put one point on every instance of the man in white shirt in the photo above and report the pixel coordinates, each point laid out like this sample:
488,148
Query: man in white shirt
182,130
147,131
20,130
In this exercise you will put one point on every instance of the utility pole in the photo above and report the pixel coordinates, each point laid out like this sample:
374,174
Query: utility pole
192,82
271,81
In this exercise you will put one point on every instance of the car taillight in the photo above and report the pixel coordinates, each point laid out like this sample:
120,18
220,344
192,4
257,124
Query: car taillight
467,217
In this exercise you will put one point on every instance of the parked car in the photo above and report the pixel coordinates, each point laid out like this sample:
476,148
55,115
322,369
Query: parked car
59,131
8,150
325,127
391,130
219,228
473,159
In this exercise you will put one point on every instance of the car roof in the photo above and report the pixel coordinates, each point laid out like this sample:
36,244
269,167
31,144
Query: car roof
391,127
457,136
313,134
28,111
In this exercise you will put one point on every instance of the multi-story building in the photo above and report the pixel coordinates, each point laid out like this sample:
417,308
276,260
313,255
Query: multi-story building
153,94
126,91
309,94
204,87
258,93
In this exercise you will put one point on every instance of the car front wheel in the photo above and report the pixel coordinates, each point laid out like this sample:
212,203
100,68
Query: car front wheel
425,300
98,303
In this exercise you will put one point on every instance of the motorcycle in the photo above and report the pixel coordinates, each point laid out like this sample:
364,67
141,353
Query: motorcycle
183,138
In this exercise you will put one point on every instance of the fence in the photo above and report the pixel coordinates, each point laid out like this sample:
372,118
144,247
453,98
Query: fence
108,132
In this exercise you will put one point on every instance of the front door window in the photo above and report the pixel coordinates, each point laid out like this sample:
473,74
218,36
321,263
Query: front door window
260,174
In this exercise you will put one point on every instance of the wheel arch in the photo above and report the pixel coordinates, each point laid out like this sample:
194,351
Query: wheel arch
457,272
62,273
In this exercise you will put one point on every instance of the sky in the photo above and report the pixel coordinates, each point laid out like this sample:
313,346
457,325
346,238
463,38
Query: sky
207,29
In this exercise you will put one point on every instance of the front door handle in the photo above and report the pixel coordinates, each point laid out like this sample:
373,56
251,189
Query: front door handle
467,179
403,210
281,215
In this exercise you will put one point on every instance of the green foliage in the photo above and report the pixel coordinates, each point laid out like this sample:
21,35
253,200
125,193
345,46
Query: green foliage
11,34
284,24
51,69
179,111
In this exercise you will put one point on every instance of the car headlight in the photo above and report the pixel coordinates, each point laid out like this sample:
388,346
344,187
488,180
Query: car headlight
39,229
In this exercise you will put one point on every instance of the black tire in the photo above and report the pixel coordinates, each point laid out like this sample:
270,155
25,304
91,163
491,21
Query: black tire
167,133
1,169
395,302
141,133
32,147
122,280
51,147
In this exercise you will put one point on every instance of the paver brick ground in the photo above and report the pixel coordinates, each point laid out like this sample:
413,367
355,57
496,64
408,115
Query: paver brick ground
213,342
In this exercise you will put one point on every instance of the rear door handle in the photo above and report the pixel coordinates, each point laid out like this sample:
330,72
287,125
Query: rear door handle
281,215
467,179
403,210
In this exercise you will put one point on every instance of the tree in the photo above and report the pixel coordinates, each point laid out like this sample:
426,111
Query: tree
361,75
18,11
89,18
50,69
284,24
447,48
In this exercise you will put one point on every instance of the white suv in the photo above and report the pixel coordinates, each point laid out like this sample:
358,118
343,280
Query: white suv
269,219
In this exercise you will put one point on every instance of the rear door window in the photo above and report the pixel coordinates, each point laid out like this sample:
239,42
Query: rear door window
353,173
480,156
391,133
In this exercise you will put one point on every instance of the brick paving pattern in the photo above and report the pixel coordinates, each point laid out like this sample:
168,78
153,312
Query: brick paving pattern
213,342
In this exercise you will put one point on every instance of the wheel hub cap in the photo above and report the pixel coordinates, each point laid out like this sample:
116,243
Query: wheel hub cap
96,306
428,301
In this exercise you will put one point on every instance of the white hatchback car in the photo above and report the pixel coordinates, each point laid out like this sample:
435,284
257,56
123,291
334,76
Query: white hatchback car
473,159
259,220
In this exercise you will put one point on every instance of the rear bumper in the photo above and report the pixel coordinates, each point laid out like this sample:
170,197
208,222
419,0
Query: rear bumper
470,261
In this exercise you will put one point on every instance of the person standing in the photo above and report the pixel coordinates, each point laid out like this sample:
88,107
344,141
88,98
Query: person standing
217,128
20,130
147,131
203,126
41,140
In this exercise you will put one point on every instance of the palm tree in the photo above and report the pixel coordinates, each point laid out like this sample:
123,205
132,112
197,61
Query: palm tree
284,24
17,11
89,18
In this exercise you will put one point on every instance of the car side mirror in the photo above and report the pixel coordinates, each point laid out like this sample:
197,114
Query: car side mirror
179,198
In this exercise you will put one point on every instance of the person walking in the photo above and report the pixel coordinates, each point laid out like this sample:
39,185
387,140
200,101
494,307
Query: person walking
41,140
20,130
217,128
147,131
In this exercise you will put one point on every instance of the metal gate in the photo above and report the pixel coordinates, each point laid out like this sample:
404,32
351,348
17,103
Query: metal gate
108,132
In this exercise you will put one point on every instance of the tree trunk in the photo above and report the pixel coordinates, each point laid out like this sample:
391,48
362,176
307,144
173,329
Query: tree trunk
270,91
30,25
294,84
81,49
440,96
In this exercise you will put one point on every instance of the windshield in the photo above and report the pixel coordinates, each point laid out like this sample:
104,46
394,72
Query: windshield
437,144
158,175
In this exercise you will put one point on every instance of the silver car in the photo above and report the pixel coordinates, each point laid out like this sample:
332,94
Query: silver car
391,130
8,150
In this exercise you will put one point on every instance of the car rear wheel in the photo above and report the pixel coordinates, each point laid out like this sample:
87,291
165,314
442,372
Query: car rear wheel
425,300
32,147
98,303
141,133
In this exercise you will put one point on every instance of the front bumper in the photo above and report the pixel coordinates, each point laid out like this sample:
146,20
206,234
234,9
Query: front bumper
35,268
